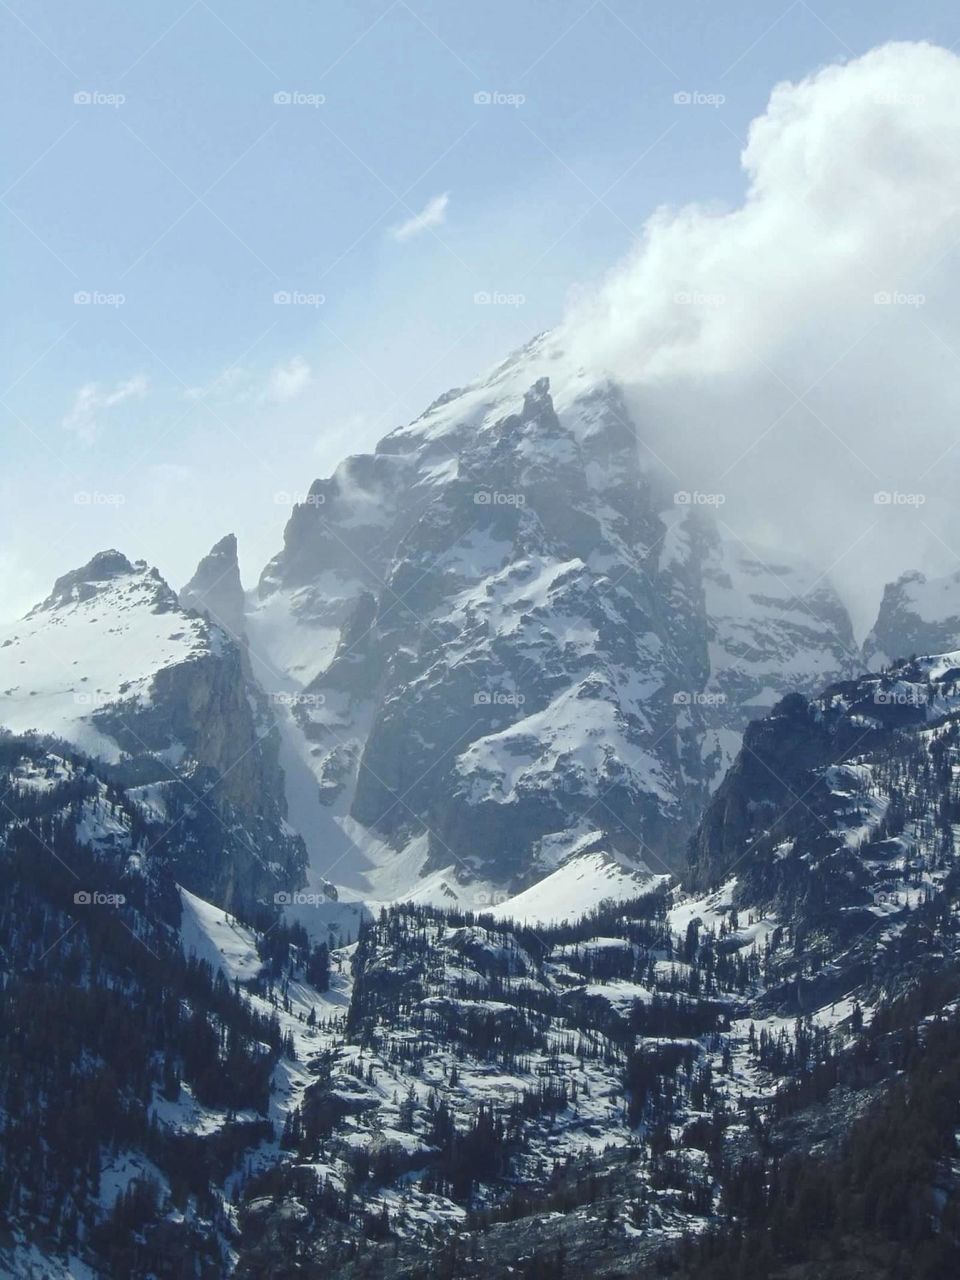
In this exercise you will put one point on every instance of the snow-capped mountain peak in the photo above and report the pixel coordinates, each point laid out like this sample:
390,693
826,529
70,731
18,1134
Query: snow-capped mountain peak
100,638
918,615
502,630
110,663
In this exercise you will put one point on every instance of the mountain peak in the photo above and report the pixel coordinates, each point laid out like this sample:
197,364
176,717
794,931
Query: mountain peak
917,615
226,547
215,590
478,638
98,575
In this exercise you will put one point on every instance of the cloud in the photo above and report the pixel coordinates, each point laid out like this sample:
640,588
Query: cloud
241,386
801,351
287,381
92,401
230,384
433,214
348,429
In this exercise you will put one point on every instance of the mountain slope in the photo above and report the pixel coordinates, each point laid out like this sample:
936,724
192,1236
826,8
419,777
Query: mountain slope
917,615
215,589
111,663
137,1079
503,635
460,1094
838,825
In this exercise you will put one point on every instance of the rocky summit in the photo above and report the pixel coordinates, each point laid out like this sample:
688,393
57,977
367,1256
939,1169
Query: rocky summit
506,637
112,665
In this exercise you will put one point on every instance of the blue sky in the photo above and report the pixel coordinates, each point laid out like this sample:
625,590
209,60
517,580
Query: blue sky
182,198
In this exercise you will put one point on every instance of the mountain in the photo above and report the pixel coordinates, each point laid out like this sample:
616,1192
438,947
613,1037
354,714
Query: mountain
111,663
917,615
837,823
505,638
499,675
134,1074
769,1053
604,1075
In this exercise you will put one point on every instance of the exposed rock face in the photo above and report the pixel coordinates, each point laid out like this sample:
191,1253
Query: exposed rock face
215,590
504,638
777,761
753,626
111,663
95,577
829,802
917,616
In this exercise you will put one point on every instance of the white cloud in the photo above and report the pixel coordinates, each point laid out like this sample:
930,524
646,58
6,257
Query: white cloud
226,385
242,386
721,319
433,214
289,380
92,401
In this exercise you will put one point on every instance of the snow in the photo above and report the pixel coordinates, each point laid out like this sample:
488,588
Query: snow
23,1261
122,1168
557,846
483,403
293,637
773,627
577,733
933,600
476,554
938,665
62,663
211,934
326,920
28,776
710,908
620,994
187,1115
293,634
576,888
339,850
592,944
401,876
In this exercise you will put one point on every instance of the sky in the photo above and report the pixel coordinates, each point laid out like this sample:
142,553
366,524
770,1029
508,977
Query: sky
243,241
